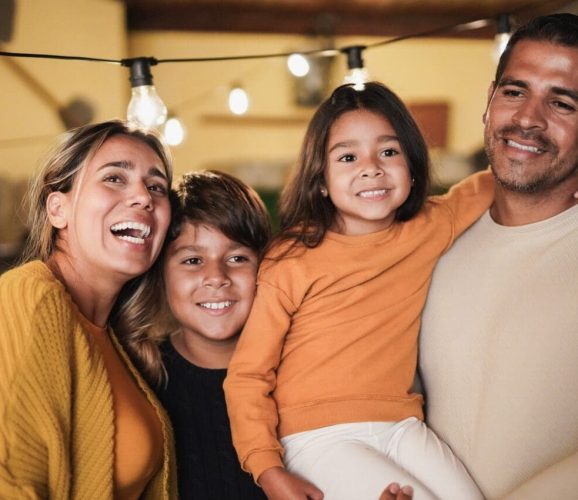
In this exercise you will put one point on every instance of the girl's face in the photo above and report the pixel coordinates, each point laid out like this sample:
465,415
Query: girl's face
366,175
210,284
113,221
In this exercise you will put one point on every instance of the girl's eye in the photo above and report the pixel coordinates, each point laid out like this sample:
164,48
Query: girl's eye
347,158
193,261
389,152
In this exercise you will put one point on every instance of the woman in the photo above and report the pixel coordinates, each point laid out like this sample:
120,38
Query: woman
76,419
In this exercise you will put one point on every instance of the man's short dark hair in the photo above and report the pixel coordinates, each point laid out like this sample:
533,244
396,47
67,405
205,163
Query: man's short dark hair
559,29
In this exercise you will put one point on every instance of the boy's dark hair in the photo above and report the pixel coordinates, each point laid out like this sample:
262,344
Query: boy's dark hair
559,29
305,215
220,200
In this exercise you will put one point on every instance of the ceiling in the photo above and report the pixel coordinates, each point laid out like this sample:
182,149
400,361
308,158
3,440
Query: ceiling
330,17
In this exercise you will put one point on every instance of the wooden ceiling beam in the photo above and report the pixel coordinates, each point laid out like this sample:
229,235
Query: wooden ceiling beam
368,17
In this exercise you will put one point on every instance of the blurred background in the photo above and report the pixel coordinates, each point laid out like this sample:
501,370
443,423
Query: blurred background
442,75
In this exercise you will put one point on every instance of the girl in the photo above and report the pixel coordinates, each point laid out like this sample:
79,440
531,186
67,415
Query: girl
321,381
219,232
76,419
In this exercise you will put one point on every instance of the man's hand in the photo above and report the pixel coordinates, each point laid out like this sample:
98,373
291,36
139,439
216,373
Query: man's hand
279,484
395,492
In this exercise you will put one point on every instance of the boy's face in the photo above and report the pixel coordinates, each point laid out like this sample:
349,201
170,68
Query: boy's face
210,283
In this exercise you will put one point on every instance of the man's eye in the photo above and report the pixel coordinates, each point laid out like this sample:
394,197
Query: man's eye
564,106
512,93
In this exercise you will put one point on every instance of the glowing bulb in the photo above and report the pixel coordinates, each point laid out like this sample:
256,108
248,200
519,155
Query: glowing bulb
174,132
298,65
358,77
238,101
146,108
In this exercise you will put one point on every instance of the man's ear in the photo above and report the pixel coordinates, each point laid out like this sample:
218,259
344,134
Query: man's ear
491,90
56,209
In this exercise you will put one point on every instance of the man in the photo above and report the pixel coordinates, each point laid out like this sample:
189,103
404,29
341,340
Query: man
499,340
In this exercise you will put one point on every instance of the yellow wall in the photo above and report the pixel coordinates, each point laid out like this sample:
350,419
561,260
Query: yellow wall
456,71
258,147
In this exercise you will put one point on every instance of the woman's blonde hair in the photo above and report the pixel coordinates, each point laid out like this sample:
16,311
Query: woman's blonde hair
60,169
58,173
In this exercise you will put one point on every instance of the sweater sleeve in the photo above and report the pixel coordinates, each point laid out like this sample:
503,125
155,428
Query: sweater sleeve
31,412
559,480
251,379
467,201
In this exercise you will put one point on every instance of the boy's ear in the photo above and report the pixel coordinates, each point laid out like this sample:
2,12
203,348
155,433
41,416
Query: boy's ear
56,209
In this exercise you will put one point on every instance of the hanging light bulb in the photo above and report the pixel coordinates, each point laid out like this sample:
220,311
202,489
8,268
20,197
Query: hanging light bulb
238,100
298,65
502,36
357,75
173,131
145,109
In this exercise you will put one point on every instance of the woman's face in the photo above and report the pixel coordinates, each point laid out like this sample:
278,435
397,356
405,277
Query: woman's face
115,217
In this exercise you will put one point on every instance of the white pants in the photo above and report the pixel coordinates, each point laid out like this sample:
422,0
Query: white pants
357,461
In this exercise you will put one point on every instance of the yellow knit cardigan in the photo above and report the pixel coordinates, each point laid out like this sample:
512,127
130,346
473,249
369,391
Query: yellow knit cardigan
56,407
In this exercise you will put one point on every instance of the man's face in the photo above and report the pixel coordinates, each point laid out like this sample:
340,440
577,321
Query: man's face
531,122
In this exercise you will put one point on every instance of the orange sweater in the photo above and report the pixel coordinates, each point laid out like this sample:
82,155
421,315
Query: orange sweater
332,336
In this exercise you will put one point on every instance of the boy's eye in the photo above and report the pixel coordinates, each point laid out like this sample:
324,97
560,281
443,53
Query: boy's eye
347,158
238,259
193,261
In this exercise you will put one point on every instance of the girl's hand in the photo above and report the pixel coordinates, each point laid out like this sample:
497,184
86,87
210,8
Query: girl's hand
395,492
280,484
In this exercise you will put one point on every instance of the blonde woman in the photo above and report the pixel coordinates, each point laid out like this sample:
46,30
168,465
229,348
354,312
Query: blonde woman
76,418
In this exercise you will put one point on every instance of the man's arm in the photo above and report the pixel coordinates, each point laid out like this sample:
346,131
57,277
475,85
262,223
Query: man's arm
558,481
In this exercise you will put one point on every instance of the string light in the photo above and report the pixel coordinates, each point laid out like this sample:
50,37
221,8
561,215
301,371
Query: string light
238,100
503,33
174,131
298,65
357,75
145,109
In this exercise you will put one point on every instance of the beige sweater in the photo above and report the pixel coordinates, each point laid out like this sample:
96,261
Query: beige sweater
499,356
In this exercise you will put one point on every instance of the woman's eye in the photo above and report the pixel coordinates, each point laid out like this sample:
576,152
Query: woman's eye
347,158
113,179
389,152
192,261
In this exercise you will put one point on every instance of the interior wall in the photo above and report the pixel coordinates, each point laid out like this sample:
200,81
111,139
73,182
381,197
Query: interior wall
258,146
454,71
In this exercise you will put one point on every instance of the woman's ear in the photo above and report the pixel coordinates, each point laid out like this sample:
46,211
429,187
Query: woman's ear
55,207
